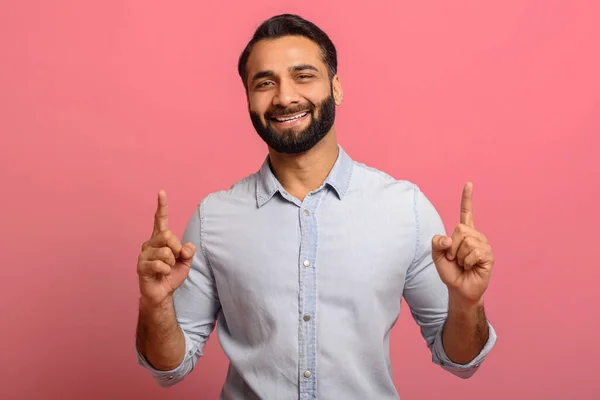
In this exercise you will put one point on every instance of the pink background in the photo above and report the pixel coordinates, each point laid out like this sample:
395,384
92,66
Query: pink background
103,103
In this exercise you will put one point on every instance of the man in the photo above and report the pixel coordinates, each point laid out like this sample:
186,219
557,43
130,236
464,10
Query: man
303,264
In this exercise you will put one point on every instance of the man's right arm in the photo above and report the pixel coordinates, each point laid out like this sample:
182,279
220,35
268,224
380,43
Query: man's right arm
171,336
159,337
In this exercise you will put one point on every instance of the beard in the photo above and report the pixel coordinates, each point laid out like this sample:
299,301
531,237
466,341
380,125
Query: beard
291,141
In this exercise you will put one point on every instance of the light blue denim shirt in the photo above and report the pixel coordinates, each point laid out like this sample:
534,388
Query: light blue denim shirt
305,293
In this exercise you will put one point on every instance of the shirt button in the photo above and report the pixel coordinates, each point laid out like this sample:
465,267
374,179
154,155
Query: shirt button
306,263
307,317
307,374
306,213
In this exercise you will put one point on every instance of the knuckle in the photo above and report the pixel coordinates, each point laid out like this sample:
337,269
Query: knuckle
145,254
169,258
161,238
157,265
473,242
165,253
144,268
151,266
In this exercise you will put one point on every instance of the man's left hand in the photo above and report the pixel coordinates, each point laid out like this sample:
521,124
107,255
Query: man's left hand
464,260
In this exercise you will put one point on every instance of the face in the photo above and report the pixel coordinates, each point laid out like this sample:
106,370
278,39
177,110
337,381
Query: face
291,99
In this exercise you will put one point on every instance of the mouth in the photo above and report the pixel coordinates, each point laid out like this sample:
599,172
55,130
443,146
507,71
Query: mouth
289,120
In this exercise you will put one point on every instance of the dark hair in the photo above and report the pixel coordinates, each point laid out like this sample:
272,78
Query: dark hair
290,25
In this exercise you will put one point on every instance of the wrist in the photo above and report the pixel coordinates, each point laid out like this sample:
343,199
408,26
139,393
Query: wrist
458,302
151,306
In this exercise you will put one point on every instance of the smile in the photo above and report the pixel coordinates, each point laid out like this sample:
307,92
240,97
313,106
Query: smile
291,118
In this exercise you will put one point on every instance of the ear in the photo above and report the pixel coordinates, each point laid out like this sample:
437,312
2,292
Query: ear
338,93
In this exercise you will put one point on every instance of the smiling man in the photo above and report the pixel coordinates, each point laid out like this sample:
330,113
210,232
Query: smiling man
291,101
304,263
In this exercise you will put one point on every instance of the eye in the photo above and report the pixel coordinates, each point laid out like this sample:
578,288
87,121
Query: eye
263,84
304,76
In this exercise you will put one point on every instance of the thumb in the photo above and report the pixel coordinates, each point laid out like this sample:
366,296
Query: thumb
187,254
439,245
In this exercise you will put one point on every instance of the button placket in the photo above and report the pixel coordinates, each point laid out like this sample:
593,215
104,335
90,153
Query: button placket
308,295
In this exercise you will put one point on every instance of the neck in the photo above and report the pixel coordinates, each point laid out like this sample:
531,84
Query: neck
299,174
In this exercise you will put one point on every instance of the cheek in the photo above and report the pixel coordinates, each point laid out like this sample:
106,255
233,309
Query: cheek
318,94
258,105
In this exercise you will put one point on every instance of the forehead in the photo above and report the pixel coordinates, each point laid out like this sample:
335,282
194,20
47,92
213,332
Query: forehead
279,54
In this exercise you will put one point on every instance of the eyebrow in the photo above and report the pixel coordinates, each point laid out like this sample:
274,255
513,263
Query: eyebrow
302,67
295,68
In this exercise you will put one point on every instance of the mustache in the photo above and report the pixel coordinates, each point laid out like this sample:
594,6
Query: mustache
280,111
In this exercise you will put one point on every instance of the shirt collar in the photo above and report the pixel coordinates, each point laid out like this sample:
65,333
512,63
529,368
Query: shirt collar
338,179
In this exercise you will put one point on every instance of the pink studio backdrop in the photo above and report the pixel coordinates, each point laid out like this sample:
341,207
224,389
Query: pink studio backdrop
103,103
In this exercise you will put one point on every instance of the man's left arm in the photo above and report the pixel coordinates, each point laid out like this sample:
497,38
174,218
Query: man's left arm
466,330
444,288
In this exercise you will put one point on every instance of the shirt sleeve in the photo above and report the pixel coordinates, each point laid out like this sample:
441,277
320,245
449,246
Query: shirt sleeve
427,296
196,305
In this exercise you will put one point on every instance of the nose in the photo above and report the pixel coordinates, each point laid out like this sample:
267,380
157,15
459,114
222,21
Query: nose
286,95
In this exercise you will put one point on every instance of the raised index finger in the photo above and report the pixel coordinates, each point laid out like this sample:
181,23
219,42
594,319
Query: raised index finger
466,205
161,217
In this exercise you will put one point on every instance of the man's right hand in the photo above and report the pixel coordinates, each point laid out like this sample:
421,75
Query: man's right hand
163,263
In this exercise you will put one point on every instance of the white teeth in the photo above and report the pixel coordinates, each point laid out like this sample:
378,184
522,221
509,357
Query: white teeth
291,119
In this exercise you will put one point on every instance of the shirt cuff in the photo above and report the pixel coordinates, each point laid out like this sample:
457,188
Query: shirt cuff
464,371
171,377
